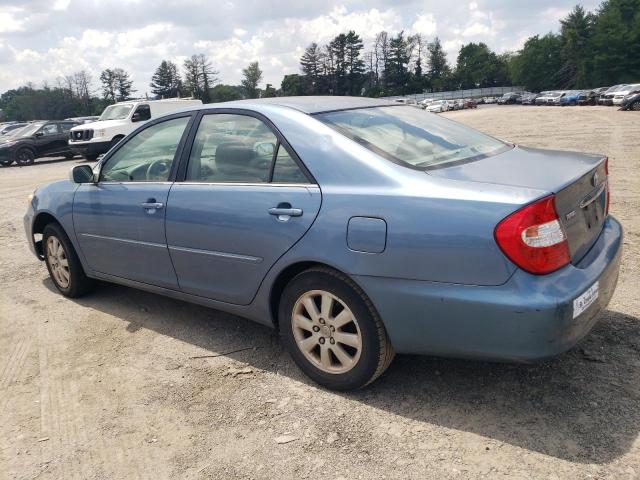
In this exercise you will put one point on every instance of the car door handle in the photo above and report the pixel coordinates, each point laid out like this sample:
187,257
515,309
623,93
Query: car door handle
284,211
152,205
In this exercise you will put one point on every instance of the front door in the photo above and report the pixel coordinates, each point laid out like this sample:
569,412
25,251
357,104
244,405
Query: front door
245,201
49,140
119,221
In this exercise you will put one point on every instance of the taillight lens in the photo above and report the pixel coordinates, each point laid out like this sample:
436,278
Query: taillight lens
533,238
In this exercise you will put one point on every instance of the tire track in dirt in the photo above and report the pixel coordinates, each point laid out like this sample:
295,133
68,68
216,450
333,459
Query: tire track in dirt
12,370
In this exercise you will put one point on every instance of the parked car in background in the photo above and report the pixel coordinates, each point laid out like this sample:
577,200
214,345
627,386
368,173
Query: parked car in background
470,103
489,100
509,98
117,121
35,140
543,98
631,102
426,101
556,97
588,97
83,120
308,215
598,93
570,98
10,127
529,98
607,97
439,106
621,93
458,104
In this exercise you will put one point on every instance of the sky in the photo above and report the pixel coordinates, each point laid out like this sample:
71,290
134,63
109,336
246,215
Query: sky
41,40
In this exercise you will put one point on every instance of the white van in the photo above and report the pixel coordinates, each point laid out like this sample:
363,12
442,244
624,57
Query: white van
117,121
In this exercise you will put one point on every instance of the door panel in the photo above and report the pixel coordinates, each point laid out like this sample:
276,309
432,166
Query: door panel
223,240
119,236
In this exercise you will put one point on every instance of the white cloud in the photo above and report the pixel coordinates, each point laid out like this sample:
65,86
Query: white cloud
425,24
43,39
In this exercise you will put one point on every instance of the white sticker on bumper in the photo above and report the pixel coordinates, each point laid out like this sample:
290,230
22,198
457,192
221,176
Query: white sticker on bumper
581,303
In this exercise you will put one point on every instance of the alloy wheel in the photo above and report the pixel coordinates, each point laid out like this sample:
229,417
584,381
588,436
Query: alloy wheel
58,262
326,332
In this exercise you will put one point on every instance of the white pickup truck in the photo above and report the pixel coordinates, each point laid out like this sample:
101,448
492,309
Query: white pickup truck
117,121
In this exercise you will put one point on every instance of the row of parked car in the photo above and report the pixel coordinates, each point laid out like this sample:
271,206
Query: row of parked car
626,96
89,137
439,106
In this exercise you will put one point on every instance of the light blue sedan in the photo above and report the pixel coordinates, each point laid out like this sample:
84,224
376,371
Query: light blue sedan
357,227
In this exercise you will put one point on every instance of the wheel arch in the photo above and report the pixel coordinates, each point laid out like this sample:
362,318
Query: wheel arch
287,274
41,220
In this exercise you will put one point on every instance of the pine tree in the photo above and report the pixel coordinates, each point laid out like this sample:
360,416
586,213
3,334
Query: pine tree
166,82
252,77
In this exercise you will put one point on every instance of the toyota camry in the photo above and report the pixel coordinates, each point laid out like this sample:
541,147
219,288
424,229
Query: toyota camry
357,227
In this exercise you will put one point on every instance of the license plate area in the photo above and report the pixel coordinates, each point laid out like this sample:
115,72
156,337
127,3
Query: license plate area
584,301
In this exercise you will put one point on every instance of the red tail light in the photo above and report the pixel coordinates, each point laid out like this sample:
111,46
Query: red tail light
533,238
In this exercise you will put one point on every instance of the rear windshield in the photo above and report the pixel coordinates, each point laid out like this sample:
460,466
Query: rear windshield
413,137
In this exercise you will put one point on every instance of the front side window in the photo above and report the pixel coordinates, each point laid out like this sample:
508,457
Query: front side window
51,129
408,137
230,148
142,113
148,156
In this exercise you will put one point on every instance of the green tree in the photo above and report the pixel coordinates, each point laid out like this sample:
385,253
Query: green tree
252,75
292,85
576,32
616,42
311,66
439,70
109,85
536,66
166,82
477,66
397,69
354,66
225,93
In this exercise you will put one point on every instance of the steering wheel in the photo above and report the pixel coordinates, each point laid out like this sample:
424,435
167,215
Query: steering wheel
158,170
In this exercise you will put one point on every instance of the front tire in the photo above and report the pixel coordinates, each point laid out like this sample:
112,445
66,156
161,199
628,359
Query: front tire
63,263
24,157
332,330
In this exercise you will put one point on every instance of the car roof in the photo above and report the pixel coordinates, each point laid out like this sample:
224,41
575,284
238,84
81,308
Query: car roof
311,104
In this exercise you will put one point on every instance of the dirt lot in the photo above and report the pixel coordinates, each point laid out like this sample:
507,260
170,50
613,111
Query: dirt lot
111,386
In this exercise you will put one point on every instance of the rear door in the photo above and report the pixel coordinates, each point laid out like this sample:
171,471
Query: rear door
245,200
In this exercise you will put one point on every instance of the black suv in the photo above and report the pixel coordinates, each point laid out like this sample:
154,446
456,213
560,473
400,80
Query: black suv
37,139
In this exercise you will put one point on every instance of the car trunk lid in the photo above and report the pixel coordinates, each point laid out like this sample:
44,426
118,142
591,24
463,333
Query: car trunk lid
578,180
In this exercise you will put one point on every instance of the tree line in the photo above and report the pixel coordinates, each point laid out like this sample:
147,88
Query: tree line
590,49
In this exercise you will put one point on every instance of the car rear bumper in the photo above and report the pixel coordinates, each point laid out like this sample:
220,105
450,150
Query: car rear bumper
528,318
89,148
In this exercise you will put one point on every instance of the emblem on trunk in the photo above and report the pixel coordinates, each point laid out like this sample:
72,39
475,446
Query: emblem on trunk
595,179
570,215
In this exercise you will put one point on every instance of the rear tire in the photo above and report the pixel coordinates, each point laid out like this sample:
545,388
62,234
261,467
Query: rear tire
91,158
69,156
24,157
63,263
6,162
341,343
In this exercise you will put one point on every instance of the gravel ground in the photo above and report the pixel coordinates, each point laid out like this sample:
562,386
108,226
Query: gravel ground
115,386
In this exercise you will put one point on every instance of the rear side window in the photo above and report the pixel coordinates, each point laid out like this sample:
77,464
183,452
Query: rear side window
286,170
230,148
408,136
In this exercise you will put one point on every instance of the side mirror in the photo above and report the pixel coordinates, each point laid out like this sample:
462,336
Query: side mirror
136,117
82,174
38,134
